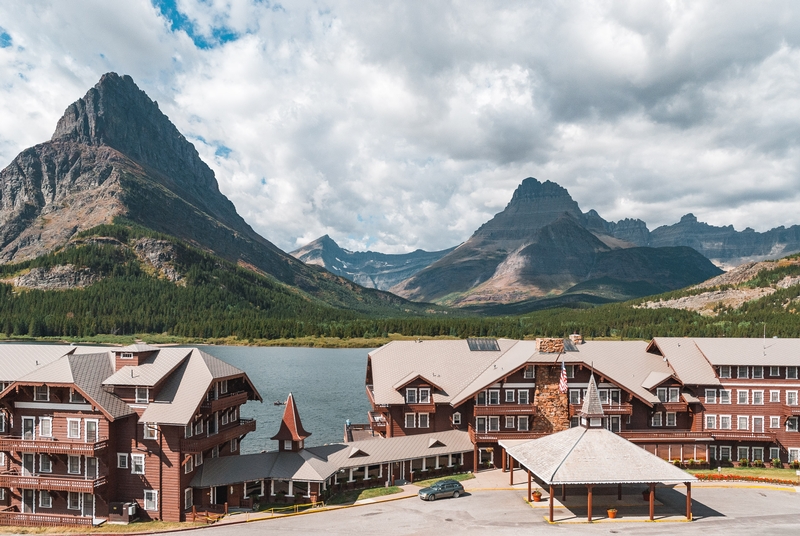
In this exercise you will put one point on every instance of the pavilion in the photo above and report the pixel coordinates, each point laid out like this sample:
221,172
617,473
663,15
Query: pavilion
589,455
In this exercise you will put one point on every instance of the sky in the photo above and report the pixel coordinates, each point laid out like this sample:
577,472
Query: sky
397,125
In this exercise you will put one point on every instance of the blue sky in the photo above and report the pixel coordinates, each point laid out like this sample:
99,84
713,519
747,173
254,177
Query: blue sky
398,125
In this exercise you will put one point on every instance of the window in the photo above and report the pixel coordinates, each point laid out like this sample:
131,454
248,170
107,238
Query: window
791,373
41,393
522,396
45,463
774,452
188,498
223,386
74,465
661,393
425,396
2,422
712,453
188,465
509,395
494,424
46,426
758,398
522,423
234,444
198,427
224,418
215,451
574,396
213,422
422,420
743,423
510,421
76,398
741,372
724,396
126,355
287,445
742,453
603,394
456,418
794,455
150,430
150,499
774,396
725,422
73,500
187,430
530,372
791,424
656,420
570,371
774,422
758,373
672,419
791,398
480,424
741,396
233,415
674,394
137,464
482,398
45,499
725,454
574,422
758,453
198,459
494,397
774,371
142,395
711,422
410,420
725,371
711,396
411,396
122,460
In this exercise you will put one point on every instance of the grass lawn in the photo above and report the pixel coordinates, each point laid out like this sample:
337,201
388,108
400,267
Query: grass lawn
144,526
459,477
767,472
349,497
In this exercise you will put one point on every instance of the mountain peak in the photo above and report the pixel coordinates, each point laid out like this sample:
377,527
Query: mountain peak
531,188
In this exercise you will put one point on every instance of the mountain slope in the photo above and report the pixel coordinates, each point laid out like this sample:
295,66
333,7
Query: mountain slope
367,268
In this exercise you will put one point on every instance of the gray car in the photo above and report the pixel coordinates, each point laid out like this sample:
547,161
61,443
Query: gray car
442,488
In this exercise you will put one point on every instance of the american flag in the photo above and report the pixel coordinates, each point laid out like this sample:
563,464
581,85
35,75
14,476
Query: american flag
562,382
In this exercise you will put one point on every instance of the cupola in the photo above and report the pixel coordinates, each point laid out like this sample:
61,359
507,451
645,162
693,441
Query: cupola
291,434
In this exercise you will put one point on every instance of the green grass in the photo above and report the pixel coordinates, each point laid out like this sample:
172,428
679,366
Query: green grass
459,477
143,526
350,497
766,472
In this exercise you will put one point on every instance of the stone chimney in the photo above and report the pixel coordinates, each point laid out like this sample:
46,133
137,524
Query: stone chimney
550,345
576,338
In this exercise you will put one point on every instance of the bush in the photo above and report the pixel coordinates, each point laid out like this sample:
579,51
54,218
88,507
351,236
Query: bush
743,462
795,464
757,463
777,463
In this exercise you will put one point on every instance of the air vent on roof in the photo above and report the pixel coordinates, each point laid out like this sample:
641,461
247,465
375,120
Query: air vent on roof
483,345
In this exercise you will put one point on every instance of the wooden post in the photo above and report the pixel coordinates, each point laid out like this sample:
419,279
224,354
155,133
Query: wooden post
589,503
511,470
551,503
652,502
563,493
503,460
475,458
619,492
529,487
689,501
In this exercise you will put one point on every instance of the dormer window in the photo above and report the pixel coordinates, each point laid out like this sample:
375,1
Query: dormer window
126,355
725,371
150,431
76,398
142,395
425,396
661,393
530,372
570,371
674,394
411,396
791,373
741,373
41,393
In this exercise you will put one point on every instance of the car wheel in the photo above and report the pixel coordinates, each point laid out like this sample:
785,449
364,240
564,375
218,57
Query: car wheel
456,494
431,497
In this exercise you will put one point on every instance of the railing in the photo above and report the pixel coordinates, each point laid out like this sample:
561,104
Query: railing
708,435
51,446
677,407
791,410
18,519
419,407
377,420
491,437
225,401
75,483
608,409
196,445
505,409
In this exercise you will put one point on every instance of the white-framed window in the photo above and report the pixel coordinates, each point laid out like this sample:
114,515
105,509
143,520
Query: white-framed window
758,398
41,393
574,422
603,394
73,500
411,420
233,415
794,455
712,453
45,499
724,396
494,424
725,454
574,396
775,396
188,464
234,444
509,395
774,422
223,386
725,371
614,394
2,422
142,395
287,445
711,422
530,372
74,465
510,421
494,397
661,393
150,500
724,422
672,418
758,453
456,418
570,371
741,372
791,398
187,431
522,423
188,498
2,461
215,451
742,396
656,420
224,418
742,453
774,371
711,396
480,425
422,420
126,355
411,395
522,396
198,459
45,463
791,424
198,427
758,372
76,398
791,373
743,423
774,452
674,394
424,395
122,460
149,430
137,464
46,426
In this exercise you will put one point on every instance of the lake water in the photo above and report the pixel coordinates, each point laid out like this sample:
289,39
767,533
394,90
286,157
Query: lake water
327,384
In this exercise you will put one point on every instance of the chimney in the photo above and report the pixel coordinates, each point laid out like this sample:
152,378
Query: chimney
576,338
550,345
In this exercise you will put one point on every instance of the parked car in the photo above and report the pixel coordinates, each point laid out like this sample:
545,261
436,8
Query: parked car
442,488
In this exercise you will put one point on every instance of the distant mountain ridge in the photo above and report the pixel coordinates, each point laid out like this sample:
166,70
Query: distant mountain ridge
367,268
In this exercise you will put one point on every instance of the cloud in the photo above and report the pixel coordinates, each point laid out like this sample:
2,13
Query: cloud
396,125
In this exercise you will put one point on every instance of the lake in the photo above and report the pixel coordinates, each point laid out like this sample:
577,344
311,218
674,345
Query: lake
327,384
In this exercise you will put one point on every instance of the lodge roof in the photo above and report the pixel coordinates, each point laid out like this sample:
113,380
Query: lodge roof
21,359
592,407
291,427
686,359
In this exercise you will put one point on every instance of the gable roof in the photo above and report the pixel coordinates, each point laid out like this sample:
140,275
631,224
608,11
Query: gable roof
291,427
686,359
154,369
411,377
775,352
17,360
655,378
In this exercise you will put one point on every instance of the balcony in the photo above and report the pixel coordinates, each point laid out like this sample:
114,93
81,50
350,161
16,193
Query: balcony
51,446
639,436
377,421
226,434
18,519
677,407
505,409
608,409
493,437
76,483
791,410
225,401
420,408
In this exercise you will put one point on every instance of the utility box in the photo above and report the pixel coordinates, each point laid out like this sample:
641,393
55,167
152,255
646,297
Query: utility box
122,513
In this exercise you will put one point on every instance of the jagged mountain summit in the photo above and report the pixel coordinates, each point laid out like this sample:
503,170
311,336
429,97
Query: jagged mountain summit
367,268
115,154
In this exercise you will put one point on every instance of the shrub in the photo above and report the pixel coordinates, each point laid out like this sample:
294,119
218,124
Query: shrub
743,462
676,462
777,463
795,464
745,478
757,463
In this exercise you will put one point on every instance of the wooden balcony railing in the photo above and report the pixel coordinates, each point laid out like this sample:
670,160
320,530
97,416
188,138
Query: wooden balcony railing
430,407
226,434
492,437
505,409
225,401
18,519
638,436
608,409
377,420
791,410
51,482
677,407
52,446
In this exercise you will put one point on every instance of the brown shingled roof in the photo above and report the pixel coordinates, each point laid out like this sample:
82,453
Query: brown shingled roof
291,427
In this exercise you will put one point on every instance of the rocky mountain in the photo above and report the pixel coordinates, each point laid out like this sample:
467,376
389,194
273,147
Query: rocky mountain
542,245
113,155
367,268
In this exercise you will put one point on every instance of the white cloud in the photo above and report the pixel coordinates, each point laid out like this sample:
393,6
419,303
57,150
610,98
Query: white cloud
392,125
